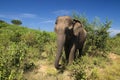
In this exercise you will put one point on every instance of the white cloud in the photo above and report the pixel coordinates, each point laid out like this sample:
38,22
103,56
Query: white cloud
113,32
4,16
62,12
18,16
28,15
48,21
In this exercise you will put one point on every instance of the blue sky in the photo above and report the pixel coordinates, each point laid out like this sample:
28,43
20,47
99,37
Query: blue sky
41,14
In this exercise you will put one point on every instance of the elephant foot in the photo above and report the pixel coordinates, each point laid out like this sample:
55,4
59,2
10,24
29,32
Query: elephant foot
58,66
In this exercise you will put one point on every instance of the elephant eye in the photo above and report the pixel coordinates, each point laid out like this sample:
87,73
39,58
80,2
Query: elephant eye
56,22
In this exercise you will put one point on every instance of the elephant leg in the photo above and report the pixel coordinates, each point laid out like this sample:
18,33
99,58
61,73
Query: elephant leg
72,54
80,53
67,51
81,50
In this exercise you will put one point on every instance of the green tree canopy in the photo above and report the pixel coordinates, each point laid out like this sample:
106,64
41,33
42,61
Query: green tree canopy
1,21
16,22
118,34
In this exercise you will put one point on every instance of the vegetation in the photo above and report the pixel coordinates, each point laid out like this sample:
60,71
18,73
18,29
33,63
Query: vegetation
114,44
16,22
118,35
1,21
20,47
97,48
27,54
97,36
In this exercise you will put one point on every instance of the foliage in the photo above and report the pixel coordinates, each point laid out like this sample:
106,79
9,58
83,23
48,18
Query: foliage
16,22
1,21
118,34
12,58
86,68
16,37
97,36
20,48
96,48
3,24
114,44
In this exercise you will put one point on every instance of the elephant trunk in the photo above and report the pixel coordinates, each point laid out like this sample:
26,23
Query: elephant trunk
60,45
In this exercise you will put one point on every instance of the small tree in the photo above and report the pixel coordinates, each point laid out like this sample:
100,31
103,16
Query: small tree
16,22
3,24
118,34
97,35
1,21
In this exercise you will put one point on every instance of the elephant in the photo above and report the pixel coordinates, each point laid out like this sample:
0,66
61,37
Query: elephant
71,36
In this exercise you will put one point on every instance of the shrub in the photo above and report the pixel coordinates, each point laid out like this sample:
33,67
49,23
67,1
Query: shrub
118,35
12,62
78,70
3,24
42,39
97,36
95,48
29,38
16,22
16,37
114,45
1,21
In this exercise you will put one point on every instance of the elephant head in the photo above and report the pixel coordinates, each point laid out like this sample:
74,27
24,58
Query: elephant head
67,29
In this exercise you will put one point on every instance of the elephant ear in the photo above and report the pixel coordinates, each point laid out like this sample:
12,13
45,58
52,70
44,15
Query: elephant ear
77,27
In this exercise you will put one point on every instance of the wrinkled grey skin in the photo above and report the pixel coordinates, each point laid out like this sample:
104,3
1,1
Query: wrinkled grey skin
71,36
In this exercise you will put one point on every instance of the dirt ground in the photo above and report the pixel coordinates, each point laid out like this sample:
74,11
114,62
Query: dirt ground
46,71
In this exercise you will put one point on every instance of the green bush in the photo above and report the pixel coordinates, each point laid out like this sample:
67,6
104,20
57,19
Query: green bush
42,39
16,22
20,48
97,36
118,35
96,47
3,24
78,70
88,67
12,61
29,38
114,44
16,37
